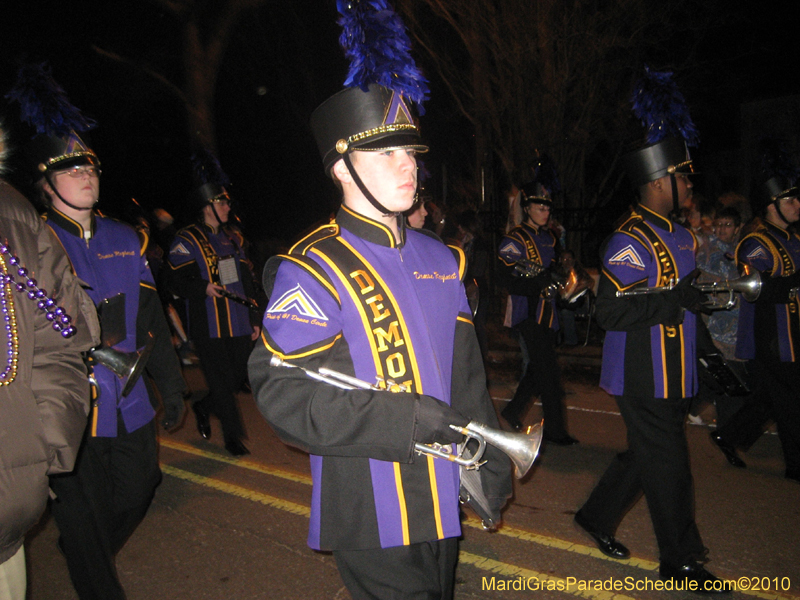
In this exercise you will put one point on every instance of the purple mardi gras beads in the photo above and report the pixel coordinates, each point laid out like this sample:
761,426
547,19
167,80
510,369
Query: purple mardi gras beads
59,319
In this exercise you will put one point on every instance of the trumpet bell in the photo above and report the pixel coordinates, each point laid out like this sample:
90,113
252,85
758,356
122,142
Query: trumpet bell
128,365
748,286
521,448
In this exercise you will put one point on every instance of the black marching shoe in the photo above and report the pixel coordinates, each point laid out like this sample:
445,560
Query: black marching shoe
203,424
236,447
728,450
512,419
607,544
694,571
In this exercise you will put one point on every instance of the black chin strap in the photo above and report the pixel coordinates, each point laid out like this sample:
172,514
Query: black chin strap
780,213
401,222
223,227
676,209
60,197
216,215
367,194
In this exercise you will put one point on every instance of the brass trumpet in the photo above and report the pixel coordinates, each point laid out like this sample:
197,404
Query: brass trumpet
748,286
521,448
527,268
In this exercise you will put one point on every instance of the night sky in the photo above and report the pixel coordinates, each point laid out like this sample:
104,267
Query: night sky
283,59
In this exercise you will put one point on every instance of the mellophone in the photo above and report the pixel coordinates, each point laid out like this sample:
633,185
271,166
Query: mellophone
521,448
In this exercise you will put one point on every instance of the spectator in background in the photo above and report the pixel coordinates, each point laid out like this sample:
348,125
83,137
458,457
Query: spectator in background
435,221
738,202
415,216
478,253
717,261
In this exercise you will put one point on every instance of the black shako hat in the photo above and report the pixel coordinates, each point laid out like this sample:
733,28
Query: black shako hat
533,192
669,131
778,187
545,181
654,161
209,180
777,175
53,153
208,193
376,120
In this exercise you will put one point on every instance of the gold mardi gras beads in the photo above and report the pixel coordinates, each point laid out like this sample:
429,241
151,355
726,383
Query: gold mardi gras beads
9,324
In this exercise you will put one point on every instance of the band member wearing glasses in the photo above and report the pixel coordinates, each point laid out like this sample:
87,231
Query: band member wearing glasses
370,298
769,328
208,267
99,505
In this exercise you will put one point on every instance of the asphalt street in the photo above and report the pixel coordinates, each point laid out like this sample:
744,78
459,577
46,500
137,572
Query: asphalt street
224,528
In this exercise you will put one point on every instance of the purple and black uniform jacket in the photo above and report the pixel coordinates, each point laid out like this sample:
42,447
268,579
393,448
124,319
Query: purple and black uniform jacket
194,261
348,298
769,328
111,261
537,244
649,349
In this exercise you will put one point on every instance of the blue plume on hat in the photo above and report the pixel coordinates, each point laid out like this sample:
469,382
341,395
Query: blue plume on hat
207,169
375,40
660,106
44,104
776,160
545,174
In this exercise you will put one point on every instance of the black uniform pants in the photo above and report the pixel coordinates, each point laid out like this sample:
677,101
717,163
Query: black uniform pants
224,365
423,571
542,378
99,505
777,396
656,463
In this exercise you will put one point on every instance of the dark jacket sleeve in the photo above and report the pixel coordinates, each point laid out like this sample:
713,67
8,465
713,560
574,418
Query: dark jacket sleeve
327,421
470,397
252,290
777,290
59,379
521,286
185,281
634,312
163,365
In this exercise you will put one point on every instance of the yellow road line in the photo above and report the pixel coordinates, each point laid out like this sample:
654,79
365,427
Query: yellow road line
479,562
236,490
550,542
475,560
506,530
243,463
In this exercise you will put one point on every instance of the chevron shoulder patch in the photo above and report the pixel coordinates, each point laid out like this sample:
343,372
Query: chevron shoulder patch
627,256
